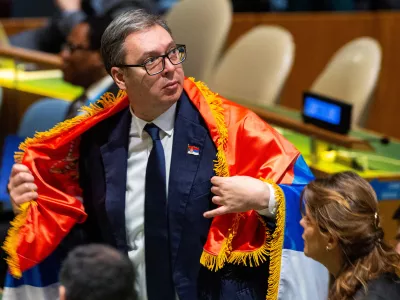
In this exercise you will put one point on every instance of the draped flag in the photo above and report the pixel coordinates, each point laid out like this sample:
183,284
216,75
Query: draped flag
245,146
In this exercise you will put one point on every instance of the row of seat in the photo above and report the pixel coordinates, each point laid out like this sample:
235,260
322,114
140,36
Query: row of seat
254,69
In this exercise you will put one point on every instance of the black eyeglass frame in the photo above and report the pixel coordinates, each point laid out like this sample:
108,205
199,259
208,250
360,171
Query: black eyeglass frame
143,65
71,48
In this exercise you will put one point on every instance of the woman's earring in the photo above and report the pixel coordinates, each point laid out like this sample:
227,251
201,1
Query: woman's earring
328,249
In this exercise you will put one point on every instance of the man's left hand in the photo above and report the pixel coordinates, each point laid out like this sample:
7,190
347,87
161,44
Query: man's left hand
238,194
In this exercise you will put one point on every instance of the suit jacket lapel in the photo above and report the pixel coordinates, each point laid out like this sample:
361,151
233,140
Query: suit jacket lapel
187,131
115,156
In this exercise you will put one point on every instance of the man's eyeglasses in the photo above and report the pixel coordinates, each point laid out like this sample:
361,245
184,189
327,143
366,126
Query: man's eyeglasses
71,48
155,65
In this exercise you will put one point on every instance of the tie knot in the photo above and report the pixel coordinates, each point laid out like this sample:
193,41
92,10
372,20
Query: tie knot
153,131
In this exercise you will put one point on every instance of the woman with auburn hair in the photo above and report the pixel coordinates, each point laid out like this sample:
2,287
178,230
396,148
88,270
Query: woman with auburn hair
342,231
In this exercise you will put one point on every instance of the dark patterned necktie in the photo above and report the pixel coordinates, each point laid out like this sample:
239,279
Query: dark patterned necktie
157,250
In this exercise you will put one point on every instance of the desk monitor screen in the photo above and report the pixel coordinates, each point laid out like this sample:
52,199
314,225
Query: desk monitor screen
327,113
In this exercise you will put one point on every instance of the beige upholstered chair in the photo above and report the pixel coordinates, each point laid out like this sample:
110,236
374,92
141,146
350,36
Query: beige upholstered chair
254,69
351,75
202,25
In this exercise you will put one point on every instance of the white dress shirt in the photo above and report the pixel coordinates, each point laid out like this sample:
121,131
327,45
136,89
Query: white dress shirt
140,145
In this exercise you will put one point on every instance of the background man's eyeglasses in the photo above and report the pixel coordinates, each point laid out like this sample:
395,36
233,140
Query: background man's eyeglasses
71,48
155,65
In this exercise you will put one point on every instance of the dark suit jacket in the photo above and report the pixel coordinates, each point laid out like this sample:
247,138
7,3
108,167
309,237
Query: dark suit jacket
386,287
103,169
73,109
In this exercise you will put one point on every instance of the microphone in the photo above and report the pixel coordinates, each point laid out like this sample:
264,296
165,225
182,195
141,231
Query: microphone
384,140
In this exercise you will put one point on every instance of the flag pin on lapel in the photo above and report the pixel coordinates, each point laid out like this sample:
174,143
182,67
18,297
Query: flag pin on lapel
193,150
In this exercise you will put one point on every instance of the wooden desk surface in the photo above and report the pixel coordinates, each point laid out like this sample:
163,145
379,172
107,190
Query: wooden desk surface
26,55
45,83
16,25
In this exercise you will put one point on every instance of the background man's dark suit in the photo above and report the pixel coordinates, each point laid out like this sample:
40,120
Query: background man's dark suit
73,109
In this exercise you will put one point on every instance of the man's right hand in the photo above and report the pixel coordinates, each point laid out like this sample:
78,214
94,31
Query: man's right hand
21,186
69,5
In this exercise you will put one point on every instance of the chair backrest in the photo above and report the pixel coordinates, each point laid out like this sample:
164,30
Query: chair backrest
202,25
254,69
351,75
42,115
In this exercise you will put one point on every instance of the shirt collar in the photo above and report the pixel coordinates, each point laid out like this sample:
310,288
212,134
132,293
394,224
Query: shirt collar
165,121
95,90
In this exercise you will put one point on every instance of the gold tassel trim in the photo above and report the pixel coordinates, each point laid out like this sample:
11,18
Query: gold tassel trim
216,262
252,258
275,243
11,243
226,255
12,240
106,101
215,104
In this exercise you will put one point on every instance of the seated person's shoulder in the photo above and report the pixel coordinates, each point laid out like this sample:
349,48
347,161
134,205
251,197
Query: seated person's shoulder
387,286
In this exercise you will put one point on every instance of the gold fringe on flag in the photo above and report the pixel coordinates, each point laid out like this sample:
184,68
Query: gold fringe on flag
12,240
226,255
106,101
275,243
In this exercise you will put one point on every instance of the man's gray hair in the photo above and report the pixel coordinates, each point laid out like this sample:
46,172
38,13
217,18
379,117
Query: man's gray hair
113,39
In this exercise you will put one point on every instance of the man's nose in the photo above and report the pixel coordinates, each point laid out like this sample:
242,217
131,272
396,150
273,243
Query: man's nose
168,66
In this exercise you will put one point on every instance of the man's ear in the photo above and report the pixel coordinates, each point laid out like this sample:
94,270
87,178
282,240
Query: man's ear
61,291
119,78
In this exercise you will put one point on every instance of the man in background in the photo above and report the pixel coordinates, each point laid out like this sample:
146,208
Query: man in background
82,62
51,37
96,272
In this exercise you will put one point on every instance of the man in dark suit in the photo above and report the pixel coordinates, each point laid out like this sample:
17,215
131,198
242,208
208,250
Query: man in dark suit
72,12
146,176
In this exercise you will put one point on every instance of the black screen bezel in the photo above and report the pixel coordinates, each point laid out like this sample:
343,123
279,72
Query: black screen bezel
345,120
